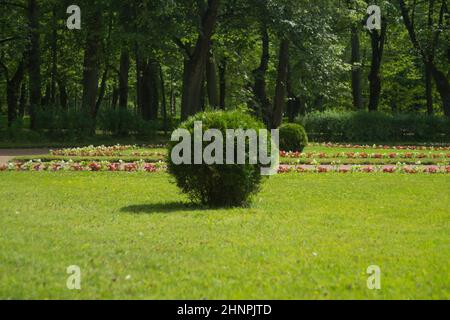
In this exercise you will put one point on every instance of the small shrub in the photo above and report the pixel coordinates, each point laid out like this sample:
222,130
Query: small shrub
293,137
218,185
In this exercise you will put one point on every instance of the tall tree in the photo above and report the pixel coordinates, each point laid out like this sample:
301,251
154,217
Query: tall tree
377,41
34,61
427,48
91,63
280,90
195,61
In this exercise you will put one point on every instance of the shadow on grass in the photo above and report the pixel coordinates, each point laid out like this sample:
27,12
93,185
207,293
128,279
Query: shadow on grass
165,207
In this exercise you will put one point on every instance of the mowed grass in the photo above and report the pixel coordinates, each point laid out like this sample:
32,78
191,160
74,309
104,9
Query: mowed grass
305,237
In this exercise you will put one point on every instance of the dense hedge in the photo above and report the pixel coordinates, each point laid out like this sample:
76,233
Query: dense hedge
375,127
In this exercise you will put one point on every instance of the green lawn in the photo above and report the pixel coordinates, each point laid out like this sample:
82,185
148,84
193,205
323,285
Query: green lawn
306,236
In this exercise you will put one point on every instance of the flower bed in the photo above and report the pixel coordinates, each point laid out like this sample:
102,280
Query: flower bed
142,166
407,169
138,166
101,151
364,155
386,147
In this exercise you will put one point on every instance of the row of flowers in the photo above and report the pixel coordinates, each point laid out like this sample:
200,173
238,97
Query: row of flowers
366,169
386,147
99,151
142,166
70,165
364,155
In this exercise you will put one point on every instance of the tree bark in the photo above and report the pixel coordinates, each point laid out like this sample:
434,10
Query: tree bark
443,87
262,109
34,61
91,62
163,98
222,83
63,98
429,89
54,53
22,100
356,69
378,38
149,94
280,90
13,93
293,104
101,94
123,78
194,65
211,80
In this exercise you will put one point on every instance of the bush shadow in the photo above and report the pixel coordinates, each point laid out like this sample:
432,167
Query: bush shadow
164,207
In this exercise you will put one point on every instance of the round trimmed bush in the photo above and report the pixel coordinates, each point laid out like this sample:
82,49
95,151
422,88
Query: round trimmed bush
218,185
293,137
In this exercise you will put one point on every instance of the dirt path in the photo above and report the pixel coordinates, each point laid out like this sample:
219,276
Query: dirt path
8,154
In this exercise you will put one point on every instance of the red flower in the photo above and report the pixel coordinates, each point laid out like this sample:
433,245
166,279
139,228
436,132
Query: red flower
129,167
94,166
432,169
150,167
322,169
368,169
389,169
283,169
392,155
77,167
113,167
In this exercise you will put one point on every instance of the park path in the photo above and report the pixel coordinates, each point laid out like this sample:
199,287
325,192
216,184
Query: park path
8,154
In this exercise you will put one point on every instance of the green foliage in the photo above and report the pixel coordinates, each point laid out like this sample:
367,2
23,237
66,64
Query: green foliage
376,127
218,184
123,122
293,137
61,124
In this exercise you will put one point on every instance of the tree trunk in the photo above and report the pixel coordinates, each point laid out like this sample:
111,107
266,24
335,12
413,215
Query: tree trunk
54,52
149,94
163,98
194,65
280,90
63,98
211,80
443,87
222,83
427,52
101,94
429,89
12,93
34,61
294,103
378,38
262,109
115,98
356,69
91,62
22,100
123,78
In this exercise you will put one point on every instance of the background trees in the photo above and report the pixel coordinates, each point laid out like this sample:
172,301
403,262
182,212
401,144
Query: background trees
171,59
